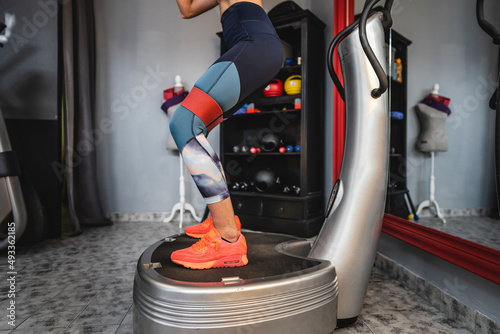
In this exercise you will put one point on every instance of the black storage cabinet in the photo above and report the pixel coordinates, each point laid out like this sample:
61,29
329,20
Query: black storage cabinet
397,188
300,211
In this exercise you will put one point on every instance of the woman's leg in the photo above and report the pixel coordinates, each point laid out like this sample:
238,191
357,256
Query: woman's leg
223,245
189,127
251,62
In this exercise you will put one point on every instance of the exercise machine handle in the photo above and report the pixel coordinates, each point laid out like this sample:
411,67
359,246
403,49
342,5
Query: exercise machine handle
379,71
361,22
485,25
493,33
330,56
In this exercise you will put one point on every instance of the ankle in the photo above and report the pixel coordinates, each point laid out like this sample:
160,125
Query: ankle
229,235
227,228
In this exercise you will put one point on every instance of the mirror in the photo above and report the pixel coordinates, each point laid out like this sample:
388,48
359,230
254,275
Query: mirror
450,49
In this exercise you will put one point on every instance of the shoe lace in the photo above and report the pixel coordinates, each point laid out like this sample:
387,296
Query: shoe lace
202,244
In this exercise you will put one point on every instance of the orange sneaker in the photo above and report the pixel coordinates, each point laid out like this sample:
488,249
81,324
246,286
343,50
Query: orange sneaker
198,231
212,251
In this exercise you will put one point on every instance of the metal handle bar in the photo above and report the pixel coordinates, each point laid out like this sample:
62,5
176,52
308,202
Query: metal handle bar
379,71
382,77
485,25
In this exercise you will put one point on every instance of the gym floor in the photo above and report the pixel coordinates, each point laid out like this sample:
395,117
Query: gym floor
84,284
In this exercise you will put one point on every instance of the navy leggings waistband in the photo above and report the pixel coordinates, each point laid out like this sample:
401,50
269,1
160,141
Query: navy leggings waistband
243,19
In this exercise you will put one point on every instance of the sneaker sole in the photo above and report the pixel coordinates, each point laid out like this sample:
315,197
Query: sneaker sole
225,262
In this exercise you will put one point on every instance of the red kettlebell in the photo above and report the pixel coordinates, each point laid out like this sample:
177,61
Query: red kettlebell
275,88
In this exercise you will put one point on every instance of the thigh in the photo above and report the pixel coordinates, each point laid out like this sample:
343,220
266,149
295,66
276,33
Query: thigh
246,67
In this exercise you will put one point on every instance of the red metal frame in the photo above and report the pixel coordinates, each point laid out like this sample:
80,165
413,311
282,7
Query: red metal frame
481,260
343,16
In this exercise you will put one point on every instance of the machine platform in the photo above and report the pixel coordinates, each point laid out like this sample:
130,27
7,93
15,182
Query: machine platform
278,285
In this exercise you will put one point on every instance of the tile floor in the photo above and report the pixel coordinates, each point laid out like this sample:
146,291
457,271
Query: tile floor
84,284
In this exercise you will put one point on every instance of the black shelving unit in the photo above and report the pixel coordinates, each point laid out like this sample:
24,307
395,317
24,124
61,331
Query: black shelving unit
301,210
397,188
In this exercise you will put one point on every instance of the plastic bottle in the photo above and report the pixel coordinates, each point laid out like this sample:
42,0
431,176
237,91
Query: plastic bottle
399,70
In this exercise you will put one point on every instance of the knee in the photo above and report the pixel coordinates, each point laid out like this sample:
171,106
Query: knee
185,125
180,127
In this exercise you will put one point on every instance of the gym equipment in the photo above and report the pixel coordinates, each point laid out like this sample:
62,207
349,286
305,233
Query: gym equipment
297,103
290,148
495,99
251,108
12,205
266,180
242,148
242,186
290,62
352,227
397,115
293,85
293,190
13,211
255,150
275,88
269,142
289,285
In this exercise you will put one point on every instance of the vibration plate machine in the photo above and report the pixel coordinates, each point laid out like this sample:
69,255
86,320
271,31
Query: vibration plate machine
293,285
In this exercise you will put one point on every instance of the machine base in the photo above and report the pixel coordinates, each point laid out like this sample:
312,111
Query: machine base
346,322
279,291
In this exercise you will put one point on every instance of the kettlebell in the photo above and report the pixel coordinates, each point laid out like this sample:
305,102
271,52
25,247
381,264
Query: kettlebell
270,142
275,88
293,85
266,180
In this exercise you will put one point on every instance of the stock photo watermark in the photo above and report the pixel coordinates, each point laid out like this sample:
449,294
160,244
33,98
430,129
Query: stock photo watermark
11,273
29,27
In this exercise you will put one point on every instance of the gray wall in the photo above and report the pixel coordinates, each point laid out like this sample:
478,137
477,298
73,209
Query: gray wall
142,46
449,48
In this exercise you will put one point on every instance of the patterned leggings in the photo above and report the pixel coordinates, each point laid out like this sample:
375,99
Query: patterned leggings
253,59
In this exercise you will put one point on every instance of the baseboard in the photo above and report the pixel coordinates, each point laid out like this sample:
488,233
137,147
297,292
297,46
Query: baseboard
463,314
